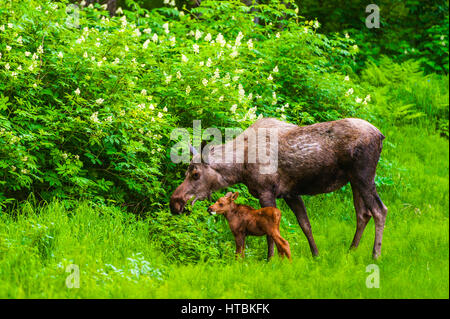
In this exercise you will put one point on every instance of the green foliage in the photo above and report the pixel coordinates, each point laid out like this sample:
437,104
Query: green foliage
86,110
402,93
408,29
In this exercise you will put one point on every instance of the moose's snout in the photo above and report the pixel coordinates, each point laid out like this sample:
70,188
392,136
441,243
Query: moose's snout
176,205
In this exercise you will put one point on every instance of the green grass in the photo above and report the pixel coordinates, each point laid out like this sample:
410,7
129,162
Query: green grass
122,256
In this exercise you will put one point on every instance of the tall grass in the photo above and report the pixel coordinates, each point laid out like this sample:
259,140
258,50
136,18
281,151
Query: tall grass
121,255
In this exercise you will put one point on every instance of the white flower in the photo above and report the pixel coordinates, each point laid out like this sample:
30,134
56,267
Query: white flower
116,61
85,54
316,24
196,48
7,66
99,101
160,115
221,98
234,54
155,38
168,79
35,56
119,10
250,44
220,39
40,50
305,30
188,90
216,74
77,91
145,45
2,27
355,47
349,92
165,109
238,39
347,36
198,34
347,78
275,69
144,92
358,100
233,108
172,41
178,75
208,62
201,63
137,32
27,53
8,48
94,117
205,82
208,37
19,39
60,54
270,78
166,27
184,58
277,35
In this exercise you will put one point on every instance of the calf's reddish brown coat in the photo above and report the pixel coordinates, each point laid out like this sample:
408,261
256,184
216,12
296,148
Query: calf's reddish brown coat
244,220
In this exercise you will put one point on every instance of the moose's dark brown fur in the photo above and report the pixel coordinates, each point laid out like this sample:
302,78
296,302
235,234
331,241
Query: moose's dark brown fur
313,159
244,220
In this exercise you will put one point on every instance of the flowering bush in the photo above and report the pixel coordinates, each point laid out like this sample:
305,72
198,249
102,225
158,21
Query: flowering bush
88,101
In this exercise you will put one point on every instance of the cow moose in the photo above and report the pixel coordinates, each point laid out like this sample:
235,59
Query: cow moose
312,159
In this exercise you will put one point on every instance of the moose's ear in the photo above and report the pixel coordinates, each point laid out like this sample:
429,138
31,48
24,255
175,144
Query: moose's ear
229,194
235,195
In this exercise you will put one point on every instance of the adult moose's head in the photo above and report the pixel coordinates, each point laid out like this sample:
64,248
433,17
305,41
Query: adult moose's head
201,179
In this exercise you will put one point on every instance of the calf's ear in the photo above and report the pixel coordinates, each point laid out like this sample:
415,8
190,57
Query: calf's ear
229,194
235,195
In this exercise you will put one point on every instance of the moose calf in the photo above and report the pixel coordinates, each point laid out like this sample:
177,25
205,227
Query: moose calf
244,220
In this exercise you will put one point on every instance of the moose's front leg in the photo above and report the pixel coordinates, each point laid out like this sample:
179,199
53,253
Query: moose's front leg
268,200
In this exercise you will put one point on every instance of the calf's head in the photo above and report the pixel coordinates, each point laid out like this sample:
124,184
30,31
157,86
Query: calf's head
223,204
201,179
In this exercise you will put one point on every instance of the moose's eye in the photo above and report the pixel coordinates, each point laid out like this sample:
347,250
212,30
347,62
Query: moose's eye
195,175
220,204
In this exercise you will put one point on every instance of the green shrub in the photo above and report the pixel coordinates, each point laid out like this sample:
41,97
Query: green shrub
86,110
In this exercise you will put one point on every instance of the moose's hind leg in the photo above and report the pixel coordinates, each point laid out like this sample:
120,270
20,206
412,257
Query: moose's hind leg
362,216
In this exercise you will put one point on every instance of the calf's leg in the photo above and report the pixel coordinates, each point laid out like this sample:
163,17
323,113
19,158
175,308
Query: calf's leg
282,245
240,244
298,207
